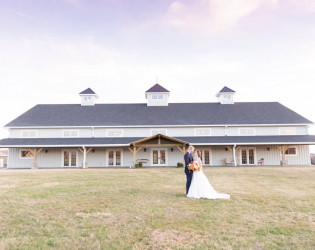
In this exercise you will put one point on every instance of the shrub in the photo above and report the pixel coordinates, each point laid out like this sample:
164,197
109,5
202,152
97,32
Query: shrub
140,164
136,165
180,164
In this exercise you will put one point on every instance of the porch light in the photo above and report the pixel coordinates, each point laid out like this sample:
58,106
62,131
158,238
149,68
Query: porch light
144,150
46,151
172,149
268,149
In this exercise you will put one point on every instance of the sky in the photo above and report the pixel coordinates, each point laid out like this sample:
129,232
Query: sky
51,50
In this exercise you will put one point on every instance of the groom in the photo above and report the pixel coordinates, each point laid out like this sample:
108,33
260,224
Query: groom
188,159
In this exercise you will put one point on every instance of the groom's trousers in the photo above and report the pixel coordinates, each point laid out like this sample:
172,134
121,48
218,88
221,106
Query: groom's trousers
189,175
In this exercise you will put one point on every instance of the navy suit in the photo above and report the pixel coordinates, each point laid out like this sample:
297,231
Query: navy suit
189,174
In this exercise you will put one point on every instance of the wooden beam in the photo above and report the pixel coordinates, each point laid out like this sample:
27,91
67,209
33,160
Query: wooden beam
89,150
130,149
182,150
159,139
35,152
81,150
138,149
179,149
157,145
229,148
282,149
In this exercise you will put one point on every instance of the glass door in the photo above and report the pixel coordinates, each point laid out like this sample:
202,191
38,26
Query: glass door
114,158
69,158
248,156
205,156
159,157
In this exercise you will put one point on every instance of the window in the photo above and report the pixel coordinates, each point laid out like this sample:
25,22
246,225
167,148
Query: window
290,151
157,97
114,158
70,133
202,131
26,154
287,131
114,132
246,131
29,133
161,131
87,98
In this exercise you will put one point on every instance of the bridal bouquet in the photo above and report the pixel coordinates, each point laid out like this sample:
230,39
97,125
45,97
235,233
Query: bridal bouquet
194,166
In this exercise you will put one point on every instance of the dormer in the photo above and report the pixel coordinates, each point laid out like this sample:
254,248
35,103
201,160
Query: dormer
226,96
88,97
157,96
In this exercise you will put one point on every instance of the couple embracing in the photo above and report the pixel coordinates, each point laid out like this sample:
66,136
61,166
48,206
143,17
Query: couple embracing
197,185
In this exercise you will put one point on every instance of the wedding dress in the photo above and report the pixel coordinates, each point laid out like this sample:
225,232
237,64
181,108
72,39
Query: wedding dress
201,188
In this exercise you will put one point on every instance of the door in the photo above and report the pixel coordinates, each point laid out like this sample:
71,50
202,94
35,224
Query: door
70,158
247,156
205,156
114,158
158,157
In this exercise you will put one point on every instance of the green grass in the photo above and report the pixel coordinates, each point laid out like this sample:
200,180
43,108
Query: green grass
270,208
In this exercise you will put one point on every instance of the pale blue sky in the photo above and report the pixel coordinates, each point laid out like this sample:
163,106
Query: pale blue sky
52,50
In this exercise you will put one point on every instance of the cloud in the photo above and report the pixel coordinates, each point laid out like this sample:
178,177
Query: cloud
211,16
75,3
22,14
303,5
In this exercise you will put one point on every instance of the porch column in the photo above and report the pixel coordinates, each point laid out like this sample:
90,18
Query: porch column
282,151
134,151
134,155
84,157
234,155
35,153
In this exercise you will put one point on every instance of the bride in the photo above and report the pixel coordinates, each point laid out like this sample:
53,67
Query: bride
200,186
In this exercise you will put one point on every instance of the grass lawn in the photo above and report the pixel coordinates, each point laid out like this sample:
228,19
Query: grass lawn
270,207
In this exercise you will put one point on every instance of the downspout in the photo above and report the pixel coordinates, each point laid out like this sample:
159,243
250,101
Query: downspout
234,156
84,157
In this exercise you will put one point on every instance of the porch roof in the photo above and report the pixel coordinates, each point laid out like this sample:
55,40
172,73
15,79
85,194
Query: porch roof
127,141
252,140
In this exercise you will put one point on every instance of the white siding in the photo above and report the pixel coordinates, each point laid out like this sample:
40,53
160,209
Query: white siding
219,154
53,157
145,132
52,133
302,156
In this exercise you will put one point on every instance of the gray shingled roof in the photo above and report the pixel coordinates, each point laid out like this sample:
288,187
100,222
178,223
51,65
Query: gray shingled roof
88,91
226,89
221,140
157,88
173,114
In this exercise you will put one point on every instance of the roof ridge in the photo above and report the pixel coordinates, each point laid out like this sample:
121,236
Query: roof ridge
157,88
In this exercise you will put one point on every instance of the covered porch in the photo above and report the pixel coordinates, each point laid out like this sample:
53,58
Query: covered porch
157,150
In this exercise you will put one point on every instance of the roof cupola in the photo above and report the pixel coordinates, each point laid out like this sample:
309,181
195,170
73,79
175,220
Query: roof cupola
226,96
157,96
88,97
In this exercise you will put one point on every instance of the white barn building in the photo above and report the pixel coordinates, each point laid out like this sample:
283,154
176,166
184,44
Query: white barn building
157,133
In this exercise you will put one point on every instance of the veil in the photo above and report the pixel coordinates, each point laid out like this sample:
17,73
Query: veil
195,157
